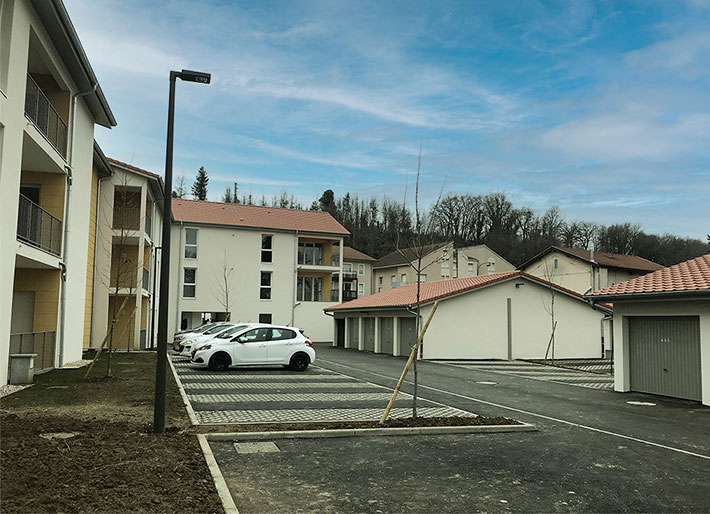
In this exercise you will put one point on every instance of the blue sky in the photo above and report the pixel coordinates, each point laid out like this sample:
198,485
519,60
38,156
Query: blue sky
602,108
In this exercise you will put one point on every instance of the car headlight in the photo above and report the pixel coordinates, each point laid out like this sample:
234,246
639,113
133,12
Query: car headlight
205,347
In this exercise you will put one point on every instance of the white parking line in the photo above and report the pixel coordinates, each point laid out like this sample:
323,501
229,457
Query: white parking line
529,413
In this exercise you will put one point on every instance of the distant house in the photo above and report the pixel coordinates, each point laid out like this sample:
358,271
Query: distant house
662,331
493,316
278,265
584,270
441,261
357,273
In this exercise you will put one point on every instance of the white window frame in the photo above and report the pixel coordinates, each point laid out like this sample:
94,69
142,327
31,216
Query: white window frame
404,278
193,284
270,250
472,265
421,277
191,245
267,287
360,269
361,289
313,247
313,296
394,280
347,267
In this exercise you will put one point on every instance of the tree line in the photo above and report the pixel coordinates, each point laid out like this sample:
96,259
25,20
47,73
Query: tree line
379,225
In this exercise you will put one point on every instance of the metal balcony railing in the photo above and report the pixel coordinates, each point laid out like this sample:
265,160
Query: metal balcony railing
126,218
45,117
38,228
40,343
347,295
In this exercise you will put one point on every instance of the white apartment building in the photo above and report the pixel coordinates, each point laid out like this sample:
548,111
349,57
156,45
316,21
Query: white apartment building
127,254
357,274
50,101
251,263
442,261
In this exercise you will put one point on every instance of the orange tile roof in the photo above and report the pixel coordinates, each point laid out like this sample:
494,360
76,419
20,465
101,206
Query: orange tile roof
253,216
604,259
686,277
406,296
351,254
133,168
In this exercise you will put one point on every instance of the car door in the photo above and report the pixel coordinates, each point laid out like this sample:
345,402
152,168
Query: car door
250,347
280,345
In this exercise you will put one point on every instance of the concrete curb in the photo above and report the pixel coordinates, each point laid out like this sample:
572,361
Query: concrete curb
220,484
364,432
188,406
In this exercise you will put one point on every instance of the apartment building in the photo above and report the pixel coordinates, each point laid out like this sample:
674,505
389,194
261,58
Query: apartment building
127,248
50,101
251,263
357,274
586,270
441,261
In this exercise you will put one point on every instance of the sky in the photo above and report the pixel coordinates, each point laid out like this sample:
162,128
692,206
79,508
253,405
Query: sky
599,107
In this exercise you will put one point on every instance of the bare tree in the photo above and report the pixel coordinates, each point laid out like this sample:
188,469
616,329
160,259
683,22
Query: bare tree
548,303
180,189
224,284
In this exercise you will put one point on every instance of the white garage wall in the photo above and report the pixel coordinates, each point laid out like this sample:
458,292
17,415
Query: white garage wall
623,310
475,325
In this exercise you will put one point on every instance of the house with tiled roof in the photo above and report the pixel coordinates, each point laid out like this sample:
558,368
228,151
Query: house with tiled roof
357,273
506,315
128,237
662,331
440,261
586,270
253,263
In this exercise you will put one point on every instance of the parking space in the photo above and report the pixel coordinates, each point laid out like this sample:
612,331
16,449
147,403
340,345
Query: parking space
276,395
591,373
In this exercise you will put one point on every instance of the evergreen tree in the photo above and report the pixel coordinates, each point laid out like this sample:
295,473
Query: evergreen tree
199,188
227,196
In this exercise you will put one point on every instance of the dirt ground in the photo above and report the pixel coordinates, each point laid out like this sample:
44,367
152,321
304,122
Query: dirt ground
111,462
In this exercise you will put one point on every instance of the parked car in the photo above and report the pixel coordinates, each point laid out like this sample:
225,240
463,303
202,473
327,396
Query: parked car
184,334
189,343
257,345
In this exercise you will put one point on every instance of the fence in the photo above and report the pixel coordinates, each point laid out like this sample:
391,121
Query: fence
37,227
40,343
45,117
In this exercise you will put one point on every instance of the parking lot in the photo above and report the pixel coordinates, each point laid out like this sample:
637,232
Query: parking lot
277,395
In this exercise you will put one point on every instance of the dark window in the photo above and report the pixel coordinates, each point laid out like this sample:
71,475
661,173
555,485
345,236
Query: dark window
265,318
266,248
191,243
280,334
188,283
257,335
265,286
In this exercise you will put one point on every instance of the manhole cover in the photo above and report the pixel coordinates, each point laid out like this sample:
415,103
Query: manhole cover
257,447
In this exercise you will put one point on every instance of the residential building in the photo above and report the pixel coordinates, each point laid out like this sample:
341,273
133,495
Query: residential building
127,242
662,331
586,270
441,261
250,263
506,315
357,274
50,101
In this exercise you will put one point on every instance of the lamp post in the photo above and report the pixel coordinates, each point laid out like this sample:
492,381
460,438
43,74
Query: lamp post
162,357
486,264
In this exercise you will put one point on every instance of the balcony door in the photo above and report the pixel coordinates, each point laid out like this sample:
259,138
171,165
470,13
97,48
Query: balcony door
23,312
31,192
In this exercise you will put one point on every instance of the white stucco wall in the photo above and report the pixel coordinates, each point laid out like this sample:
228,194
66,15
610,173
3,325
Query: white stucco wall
625,309
571,273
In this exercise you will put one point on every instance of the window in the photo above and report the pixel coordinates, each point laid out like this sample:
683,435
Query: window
266,248
257,335
394,280
310,253
379,280
361,289
360,269
556,264
422,277
472,265
348,267
189,282
445,277
404,278
265,317
265,286
309,289
191,243
492,266
280,334
445,264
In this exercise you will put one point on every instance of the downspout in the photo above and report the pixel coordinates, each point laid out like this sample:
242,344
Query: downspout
67,202
295,282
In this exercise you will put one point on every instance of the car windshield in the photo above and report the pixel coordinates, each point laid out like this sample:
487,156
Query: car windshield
201,329
216,329
227,333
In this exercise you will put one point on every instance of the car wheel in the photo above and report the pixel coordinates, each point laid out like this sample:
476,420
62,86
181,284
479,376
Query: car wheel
220,362
299,362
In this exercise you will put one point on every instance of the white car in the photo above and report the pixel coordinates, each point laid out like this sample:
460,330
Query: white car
179,337
197,339
257,345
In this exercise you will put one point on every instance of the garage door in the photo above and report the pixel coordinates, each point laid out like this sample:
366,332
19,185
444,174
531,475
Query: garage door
664,356
386,335
407,335
368,329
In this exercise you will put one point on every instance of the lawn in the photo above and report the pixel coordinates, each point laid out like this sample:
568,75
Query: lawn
112,462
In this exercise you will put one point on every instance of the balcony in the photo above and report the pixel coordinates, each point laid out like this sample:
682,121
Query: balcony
38,228
347,295
40,343
45,117
126,218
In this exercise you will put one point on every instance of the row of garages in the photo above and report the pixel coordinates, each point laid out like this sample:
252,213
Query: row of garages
660,334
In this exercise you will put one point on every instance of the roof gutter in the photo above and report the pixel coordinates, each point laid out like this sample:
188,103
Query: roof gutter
654,295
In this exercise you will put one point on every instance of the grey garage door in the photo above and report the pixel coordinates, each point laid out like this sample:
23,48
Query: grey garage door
407,335
368,335
664,356
386,335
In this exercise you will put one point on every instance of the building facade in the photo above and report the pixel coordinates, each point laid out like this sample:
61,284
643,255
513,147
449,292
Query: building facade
50,102
357,274
441,261
250,263
127,249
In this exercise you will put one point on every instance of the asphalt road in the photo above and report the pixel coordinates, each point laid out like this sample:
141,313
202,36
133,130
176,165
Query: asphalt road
593,452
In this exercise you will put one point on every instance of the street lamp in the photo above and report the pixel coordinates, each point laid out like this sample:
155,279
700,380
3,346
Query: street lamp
160,368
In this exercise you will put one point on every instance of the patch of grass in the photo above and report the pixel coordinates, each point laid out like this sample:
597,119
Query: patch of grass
113,462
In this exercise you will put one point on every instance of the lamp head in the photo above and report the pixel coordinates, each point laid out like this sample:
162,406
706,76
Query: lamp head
195,76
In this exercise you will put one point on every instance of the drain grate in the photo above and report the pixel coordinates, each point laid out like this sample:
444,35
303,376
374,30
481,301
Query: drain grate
257,447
